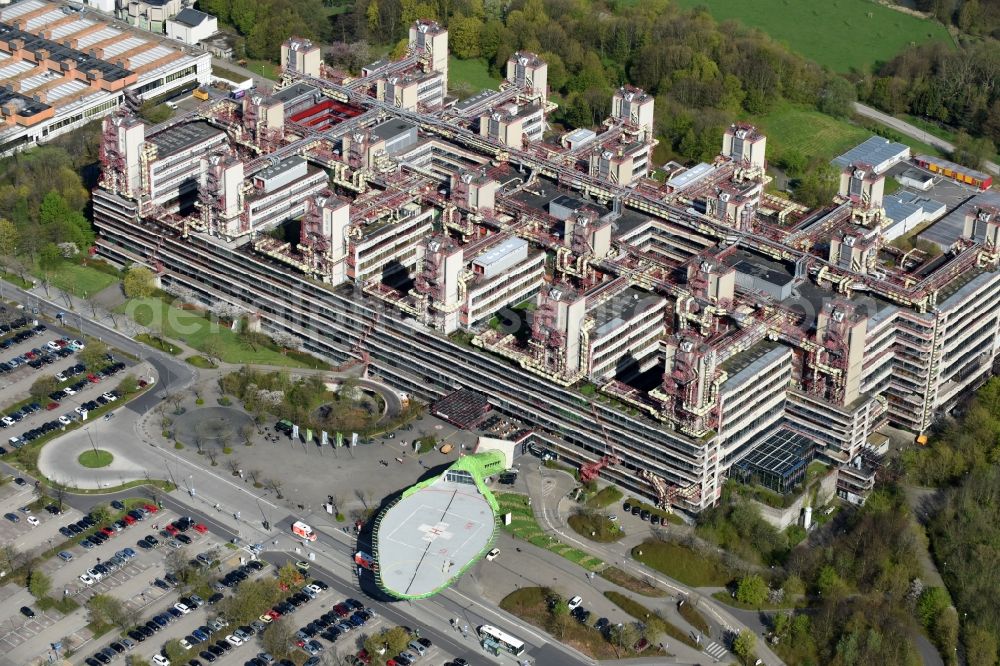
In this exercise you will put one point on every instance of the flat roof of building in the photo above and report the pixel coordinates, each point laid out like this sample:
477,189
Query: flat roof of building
181,137
274,170
294,91
499,251
619,309
873,151
430,536
475,100
765,269
690,176
950,228
391,128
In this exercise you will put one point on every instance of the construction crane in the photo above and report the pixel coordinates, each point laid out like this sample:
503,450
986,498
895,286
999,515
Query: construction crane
591,471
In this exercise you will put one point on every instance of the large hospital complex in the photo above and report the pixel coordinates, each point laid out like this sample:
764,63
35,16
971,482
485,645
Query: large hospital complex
694,317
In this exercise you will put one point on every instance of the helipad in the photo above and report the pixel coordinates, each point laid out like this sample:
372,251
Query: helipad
437,529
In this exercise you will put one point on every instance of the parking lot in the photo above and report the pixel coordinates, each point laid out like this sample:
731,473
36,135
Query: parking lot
33,351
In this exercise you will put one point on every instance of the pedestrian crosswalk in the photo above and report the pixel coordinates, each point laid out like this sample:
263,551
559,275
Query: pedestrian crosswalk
715,650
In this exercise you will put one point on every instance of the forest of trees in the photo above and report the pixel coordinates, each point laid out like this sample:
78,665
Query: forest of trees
705,74
965,527
264,24
959,88
43,201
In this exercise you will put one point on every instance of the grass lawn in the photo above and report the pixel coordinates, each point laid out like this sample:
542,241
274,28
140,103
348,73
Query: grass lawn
683,564
605,497
159,343
265,68
475,72
524,526
194,329
841,34
595,527
693,617
228,74
657,624
200,362
95,458
79,280
631,583
813,134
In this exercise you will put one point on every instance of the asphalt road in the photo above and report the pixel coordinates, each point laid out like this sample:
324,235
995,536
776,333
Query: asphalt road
913,132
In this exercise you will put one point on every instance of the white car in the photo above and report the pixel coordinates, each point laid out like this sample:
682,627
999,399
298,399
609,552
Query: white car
315,588
64,420
109,397
80,410
87,579
70,391
160,660
182,608
232,639
184,644
9,421
34,522
492,555
61,376
96,575
574,602
51,344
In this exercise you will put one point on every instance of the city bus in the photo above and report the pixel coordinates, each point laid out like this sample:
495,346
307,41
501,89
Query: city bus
300,529
506,641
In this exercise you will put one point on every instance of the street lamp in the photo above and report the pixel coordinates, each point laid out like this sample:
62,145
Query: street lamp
191,485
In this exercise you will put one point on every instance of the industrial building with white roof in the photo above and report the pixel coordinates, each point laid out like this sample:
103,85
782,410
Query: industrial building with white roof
64,66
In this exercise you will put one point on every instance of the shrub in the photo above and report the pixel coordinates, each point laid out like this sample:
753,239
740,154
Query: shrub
227,450
199,401
178,446
225,401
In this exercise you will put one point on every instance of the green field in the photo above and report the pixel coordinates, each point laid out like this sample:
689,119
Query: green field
843,35
811,133
194,329
473,72
79,280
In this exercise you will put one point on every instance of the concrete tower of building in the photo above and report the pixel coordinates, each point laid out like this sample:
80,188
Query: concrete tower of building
860,184
635,108
529,73
430,41
301,55
982,224
742,143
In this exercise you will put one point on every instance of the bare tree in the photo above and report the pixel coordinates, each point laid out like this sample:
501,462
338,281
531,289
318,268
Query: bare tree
235,466
246,433
199,442
225,438
275,485
254,475
213,455
176,399
337,500
362,495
